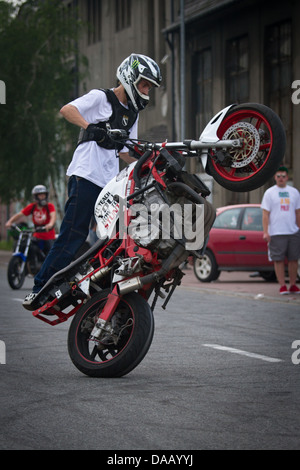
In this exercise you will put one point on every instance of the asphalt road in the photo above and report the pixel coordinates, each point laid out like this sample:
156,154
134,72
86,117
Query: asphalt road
219,375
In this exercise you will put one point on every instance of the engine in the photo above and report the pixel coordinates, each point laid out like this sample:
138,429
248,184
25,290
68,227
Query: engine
160,222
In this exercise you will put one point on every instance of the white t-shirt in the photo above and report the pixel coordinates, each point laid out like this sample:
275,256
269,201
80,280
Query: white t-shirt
282,204
94,163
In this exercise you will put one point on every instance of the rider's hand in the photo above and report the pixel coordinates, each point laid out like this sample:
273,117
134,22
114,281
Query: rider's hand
8,225
96,133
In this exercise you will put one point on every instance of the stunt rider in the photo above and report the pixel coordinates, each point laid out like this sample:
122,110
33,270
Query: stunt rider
94,162
43,215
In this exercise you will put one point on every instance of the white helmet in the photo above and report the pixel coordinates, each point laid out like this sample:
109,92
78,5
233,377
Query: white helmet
40,189
131,71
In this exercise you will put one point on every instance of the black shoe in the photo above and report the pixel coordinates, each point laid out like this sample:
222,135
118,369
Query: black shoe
29,301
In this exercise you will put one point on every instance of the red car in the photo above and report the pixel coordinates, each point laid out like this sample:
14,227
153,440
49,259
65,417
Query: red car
235,244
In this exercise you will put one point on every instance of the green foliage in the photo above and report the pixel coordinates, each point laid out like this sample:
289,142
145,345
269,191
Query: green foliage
6,245
38,63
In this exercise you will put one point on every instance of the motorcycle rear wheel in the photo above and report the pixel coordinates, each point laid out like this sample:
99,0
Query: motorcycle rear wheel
264,141
133,323
15,275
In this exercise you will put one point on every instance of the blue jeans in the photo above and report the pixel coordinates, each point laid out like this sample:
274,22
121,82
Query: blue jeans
82,195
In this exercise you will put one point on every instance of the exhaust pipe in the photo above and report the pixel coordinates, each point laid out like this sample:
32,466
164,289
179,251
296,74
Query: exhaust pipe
124,287
136,283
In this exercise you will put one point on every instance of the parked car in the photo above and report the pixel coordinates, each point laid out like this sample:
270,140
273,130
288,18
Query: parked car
235,244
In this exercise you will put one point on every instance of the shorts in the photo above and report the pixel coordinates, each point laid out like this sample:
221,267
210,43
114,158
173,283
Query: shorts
285,246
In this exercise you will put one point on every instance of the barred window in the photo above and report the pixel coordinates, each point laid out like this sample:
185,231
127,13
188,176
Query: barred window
123,14
237,70
278,76
203,77
94,21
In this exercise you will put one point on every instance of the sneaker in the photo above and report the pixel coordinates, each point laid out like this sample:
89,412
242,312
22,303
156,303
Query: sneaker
294,289
27,302
283,290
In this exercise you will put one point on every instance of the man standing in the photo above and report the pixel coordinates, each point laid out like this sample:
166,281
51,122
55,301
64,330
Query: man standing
281,226
94,162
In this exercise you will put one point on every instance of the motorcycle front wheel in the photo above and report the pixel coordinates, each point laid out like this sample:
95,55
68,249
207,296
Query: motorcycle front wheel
16,273
117,353
263,145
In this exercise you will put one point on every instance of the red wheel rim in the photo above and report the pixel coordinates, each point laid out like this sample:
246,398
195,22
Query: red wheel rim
102,359
260,123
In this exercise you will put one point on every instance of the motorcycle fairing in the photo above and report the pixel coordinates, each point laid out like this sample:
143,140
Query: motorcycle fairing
209,134
107,207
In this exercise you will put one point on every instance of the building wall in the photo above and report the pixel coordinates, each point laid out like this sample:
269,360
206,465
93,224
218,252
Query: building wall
154,30
211,24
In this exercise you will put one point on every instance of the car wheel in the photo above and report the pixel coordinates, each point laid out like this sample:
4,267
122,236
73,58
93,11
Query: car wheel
206,268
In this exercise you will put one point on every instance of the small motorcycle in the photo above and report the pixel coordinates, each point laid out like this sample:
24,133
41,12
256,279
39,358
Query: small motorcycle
28,255
150,218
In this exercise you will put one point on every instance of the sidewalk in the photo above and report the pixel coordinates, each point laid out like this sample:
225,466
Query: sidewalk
238,284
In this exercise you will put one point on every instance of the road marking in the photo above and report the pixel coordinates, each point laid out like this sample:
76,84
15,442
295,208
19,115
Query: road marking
243,353
18,300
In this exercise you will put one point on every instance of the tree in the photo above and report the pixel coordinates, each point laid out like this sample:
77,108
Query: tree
39,65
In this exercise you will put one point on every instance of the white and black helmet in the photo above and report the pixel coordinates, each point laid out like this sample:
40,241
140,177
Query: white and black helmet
40,189
131,71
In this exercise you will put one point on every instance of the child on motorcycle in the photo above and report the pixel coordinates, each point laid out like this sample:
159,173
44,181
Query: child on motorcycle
43,215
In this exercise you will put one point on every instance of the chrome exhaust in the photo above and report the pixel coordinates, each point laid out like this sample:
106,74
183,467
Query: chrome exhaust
102,272
124,287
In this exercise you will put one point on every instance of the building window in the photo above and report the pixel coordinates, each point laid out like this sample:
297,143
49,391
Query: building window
94,21
70,14
278,77
123,14
237,70
151,27
203,78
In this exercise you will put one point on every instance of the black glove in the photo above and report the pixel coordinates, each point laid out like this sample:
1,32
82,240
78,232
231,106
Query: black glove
96,133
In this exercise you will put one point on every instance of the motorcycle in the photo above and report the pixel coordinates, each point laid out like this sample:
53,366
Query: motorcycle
150,218
28,255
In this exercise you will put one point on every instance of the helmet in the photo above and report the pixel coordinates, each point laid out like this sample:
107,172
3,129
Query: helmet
130,72
40,189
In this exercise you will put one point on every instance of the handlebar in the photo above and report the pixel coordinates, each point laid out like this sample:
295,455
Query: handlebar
189,146
28,229
198,145
117,133
40,229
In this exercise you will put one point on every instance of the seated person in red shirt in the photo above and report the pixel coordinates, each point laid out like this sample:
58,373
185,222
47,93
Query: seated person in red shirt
43,215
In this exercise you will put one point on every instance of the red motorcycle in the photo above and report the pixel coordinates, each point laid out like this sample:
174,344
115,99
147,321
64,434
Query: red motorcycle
150,218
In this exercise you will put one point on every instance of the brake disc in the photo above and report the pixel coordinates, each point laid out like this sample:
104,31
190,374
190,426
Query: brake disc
250,138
